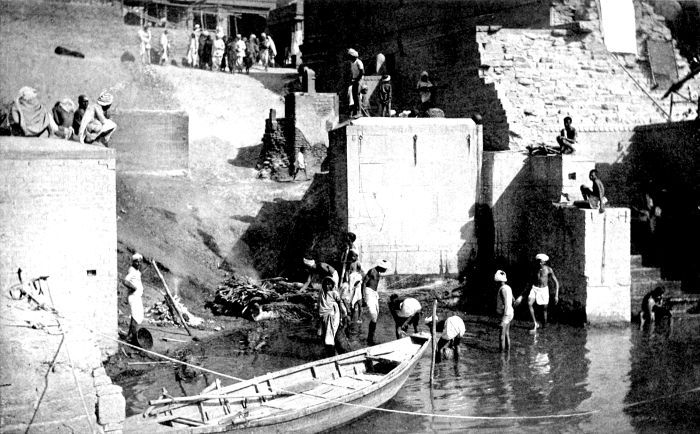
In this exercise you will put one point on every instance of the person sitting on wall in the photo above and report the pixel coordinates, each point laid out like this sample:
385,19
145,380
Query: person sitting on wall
406,312
96,125
63,112
29,117
652,307
83,103
538,293
567,138
451,331
595,196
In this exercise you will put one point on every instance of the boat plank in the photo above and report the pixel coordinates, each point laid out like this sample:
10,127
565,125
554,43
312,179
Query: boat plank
349,382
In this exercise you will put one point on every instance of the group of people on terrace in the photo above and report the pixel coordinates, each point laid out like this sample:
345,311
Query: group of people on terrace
86,122
213,50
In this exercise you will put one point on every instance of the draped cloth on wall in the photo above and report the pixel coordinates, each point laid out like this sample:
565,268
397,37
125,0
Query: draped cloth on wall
617,21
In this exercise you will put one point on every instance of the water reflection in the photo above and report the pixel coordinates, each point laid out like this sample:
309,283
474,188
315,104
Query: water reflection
561,370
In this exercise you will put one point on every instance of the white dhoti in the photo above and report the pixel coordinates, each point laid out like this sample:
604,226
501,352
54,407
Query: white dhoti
372,300
330,320
136,306
539,294
355,283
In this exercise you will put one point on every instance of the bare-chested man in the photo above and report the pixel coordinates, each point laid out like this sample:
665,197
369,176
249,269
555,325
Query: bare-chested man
539,292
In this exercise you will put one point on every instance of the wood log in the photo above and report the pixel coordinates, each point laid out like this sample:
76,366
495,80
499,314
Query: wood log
170,296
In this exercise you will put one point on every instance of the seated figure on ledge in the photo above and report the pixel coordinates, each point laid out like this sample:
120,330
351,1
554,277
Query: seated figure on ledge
567,137
594,198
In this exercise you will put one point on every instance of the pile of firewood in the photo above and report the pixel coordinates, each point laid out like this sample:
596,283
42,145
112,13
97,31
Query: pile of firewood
241,296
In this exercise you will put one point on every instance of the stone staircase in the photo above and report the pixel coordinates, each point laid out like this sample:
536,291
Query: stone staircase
645,279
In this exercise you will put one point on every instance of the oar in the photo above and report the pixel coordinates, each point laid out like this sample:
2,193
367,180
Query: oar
207,397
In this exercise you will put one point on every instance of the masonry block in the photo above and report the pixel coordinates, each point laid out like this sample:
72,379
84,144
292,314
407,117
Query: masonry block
151,140
385,169
111,409
313,114
58,219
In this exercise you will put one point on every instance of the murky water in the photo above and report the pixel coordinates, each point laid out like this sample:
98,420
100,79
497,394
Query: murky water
561,370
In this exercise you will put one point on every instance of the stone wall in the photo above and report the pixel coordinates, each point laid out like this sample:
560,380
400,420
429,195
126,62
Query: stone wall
151,140
523,66
520,216
408,188
312,115
58,219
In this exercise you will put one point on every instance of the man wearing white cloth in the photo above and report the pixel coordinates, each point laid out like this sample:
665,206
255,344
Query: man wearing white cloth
133,282
452,331
406,312
370,286
539,293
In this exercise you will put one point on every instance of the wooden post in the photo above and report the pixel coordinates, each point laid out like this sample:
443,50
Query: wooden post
169,296
433,332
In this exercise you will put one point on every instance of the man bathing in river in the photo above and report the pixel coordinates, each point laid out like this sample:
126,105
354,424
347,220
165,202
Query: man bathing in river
370,286
539,292
451,331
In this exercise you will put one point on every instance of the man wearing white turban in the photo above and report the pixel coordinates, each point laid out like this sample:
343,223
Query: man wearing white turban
132,281
504,307
539,293
370,292
95,125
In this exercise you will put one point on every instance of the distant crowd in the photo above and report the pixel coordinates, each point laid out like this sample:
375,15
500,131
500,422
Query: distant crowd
85,122
214,51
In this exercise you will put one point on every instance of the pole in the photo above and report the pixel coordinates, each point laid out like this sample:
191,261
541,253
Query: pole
169,296
433,333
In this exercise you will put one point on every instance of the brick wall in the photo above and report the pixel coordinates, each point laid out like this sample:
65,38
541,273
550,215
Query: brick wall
58,218
151,140
407,188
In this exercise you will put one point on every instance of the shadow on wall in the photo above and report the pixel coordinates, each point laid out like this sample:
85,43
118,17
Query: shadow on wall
247,157
663,161
285,231
276,82
514,221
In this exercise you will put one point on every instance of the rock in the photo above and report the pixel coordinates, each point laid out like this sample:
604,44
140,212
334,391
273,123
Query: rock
111,409
560,32
108,389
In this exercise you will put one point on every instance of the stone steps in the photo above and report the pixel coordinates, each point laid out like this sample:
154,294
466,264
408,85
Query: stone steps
645,279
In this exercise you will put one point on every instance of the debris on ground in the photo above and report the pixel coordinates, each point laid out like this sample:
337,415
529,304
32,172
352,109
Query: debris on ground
273,298
161,314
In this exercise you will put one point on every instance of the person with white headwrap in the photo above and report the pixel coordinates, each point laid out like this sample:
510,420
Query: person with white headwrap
370,288
539,292
317,271
95,125
132,281
405,311
29,117
357,71
504,307
331,310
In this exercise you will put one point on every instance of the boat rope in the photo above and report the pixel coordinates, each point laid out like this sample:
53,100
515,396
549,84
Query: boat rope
386,410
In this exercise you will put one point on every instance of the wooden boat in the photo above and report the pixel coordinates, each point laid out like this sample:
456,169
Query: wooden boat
312,397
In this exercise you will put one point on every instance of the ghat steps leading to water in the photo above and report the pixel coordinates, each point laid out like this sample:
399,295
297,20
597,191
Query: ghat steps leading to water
645,279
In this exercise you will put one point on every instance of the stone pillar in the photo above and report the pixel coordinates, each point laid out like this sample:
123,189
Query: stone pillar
308,81
111,405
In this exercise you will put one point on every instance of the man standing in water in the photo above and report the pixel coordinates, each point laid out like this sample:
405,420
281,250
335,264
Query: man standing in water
504,307
370,286
539,293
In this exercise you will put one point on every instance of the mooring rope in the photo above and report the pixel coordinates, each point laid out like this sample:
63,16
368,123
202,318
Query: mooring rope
386,410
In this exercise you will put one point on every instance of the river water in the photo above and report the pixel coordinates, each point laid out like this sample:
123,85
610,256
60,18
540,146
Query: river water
630,380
